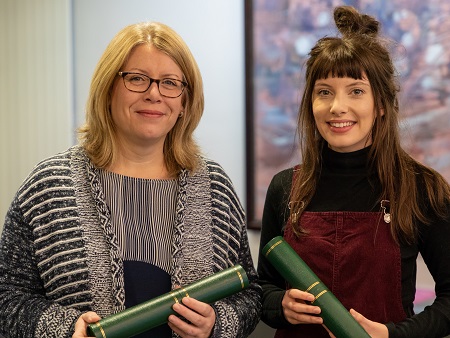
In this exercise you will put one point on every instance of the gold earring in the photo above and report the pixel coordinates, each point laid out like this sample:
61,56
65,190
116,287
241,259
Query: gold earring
181,114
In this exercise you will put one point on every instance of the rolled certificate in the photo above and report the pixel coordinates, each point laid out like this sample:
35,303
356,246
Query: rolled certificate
297,273
154,312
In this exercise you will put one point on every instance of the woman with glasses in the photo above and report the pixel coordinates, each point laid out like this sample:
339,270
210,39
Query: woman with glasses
358,209
130,213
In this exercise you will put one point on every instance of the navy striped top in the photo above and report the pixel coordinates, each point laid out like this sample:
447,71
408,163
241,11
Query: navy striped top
143,218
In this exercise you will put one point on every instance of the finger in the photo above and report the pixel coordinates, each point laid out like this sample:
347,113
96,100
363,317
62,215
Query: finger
302,318
297,305
299,295
374,329
199,307
189,314
303,308
82,323
359,317
297,310
90,317
182,328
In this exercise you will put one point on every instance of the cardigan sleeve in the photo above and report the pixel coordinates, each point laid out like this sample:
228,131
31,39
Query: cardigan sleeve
237,315
23,305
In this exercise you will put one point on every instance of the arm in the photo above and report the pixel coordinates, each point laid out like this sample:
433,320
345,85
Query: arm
434,321
23,305
234,316
244,306
274,218
237,315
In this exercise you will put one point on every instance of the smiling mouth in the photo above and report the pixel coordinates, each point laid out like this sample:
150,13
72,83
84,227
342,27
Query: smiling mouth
341,124
150,113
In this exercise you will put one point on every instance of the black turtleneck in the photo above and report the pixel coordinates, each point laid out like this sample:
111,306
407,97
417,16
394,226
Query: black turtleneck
345,183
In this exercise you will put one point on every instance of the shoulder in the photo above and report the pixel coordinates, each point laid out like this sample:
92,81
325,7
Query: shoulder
220,183
211,173
425,174
52,171
282,179
430,184
279,189
215,171
53,166
59,161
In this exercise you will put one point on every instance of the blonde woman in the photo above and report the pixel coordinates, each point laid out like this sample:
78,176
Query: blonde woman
131,212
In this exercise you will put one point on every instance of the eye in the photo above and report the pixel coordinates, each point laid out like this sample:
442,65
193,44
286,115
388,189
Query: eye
136,78
323,92
358,91
170,83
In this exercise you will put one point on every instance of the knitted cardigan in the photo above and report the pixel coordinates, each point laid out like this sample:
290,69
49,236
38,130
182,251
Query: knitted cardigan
59,256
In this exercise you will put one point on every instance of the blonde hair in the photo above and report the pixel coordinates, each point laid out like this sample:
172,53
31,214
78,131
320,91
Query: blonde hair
98,136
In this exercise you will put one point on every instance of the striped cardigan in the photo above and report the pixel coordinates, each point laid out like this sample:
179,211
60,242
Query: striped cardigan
59,256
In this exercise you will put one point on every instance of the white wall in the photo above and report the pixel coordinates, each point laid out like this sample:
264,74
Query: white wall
35,88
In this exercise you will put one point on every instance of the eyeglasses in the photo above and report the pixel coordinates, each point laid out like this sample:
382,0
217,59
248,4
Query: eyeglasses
140,83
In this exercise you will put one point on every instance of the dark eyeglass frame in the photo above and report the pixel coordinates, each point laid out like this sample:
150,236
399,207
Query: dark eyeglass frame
123,74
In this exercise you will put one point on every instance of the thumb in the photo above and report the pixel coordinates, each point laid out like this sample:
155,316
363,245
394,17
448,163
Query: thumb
359,317
90,317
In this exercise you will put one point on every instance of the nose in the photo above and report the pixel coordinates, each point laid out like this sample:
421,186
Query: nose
339,105
152,92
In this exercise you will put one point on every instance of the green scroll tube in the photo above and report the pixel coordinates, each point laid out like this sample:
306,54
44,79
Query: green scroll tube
154,312
298,274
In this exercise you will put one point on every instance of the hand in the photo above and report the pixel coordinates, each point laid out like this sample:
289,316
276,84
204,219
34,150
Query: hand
82,323
296,309
374,329
201,318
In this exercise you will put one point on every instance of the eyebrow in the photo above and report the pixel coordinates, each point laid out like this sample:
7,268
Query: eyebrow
354,83
165,75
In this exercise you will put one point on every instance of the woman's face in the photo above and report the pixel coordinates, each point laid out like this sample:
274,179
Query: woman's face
144,119
344,111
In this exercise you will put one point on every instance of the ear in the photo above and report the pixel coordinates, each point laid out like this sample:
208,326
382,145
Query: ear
381,111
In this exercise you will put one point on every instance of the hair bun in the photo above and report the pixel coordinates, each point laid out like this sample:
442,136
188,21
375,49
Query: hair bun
350,22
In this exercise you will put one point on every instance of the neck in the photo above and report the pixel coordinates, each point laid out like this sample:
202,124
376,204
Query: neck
140,163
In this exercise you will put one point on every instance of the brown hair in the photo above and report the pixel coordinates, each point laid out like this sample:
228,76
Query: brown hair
359,50
98,136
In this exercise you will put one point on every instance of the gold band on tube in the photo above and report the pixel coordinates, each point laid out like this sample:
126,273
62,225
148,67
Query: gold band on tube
272,247
240,277
320,294
174,297
101,330
187,294
312,285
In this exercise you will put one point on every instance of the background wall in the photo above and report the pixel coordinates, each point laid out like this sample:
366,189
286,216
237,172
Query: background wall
35,87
